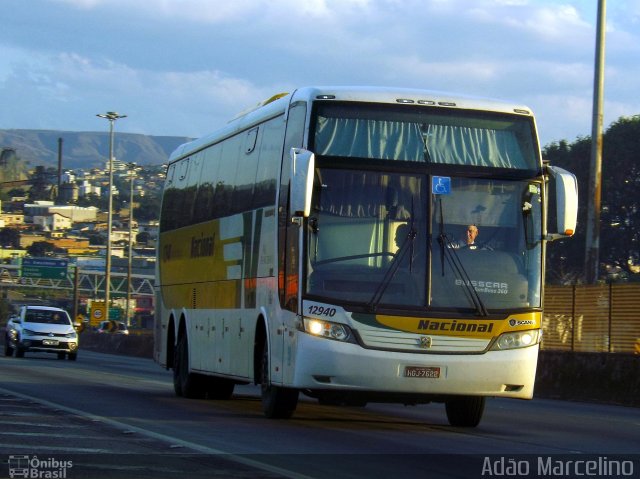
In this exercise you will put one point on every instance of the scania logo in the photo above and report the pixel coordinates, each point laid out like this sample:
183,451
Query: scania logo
525,322
425,342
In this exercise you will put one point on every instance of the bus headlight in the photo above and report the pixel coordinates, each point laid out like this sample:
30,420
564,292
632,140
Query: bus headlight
516,339
327,329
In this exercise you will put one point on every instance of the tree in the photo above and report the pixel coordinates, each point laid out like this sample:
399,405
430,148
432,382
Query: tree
16,192
143,237
40,248
96,239
148,208
5,310
620,230
9,238
40,184
620,213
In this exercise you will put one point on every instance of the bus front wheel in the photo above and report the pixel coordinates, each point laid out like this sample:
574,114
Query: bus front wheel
277,402
465,411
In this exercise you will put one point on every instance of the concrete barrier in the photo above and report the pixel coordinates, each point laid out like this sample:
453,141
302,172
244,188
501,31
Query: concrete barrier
140,345
598,377
590,377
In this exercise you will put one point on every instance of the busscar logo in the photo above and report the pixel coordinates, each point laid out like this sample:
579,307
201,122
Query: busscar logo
488,287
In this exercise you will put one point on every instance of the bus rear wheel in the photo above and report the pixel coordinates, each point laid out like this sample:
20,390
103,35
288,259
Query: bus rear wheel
277,402
465,411
185,383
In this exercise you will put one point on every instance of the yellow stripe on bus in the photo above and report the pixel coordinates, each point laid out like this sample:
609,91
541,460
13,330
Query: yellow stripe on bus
475,328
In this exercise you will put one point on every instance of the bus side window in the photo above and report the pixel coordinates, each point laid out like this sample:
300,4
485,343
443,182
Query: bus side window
268,163
247,165
287,233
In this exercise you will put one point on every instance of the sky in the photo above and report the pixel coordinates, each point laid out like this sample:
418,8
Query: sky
186,67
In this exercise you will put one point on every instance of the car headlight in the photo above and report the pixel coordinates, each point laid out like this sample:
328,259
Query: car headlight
517,339
327,329
28,332
71,335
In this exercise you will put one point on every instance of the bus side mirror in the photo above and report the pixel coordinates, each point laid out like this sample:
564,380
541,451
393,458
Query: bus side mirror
302,170
566,199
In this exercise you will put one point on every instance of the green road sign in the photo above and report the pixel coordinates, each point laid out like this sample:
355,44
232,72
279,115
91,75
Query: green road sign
47,268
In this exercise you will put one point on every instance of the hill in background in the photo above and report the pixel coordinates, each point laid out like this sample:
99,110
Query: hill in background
88,149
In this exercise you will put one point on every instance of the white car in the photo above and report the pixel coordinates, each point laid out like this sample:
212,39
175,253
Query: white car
41,328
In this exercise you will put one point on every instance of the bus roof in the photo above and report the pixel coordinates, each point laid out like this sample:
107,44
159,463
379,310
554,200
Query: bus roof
278,104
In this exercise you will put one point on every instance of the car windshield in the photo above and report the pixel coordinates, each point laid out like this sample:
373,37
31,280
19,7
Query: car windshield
46,316
401,240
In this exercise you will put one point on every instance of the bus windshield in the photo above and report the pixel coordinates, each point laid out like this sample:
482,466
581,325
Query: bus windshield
394,240
429,135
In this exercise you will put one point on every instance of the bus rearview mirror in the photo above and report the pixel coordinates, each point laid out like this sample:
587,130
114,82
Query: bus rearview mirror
566,199
302,169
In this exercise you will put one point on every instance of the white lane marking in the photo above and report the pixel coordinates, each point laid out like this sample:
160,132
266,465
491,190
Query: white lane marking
161,437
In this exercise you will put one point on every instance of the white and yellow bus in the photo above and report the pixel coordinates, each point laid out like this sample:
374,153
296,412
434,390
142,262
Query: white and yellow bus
316,245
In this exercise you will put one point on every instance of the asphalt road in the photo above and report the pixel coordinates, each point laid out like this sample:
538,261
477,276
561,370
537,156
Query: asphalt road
116,416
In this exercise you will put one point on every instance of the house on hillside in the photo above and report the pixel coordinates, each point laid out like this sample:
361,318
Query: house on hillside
74,213
53,222
11,220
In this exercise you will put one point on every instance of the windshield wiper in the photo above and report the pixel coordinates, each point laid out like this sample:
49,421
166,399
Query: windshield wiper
407,245
448,252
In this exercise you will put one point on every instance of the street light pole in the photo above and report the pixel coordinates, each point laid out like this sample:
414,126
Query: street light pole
112,116
131,178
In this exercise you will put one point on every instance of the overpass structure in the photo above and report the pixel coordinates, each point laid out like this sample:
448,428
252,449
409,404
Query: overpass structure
89,282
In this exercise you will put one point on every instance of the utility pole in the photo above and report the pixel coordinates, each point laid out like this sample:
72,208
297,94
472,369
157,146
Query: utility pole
592,247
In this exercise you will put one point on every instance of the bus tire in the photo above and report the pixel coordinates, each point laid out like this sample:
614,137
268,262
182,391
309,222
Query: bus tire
277,402
465,411
185,384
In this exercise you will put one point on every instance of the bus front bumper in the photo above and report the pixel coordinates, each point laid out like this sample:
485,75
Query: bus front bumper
323,364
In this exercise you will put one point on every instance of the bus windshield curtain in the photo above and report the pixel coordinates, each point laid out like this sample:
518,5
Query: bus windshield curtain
403,141
367,194
361,138
456,145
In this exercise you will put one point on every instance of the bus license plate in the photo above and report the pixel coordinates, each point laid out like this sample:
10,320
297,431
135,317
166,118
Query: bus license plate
432,372
49,342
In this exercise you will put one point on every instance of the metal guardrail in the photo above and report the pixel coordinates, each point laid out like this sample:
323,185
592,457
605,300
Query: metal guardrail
602,318
88,281
585,318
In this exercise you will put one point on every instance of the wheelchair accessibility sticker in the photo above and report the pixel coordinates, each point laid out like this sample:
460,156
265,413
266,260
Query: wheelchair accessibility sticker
441,185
